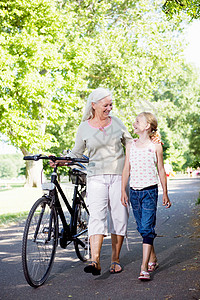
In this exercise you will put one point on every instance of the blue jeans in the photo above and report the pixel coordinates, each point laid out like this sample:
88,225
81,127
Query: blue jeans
144,204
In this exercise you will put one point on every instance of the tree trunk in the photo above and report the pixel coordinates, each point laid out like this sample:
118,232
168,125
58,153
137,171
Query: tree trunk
34,173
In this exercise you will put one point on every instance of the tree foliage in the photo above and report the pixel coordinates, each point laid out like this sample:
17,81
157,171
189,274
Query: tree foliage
41,72
54,53
194,140
189,7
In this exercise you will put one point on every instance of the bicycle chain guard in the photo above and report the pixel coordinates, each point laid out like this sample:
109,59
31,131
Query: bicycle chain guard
64,238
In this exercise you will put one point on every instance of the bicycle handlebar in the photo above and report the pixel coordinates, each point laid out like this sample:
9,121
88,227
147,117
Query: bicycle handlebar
54,158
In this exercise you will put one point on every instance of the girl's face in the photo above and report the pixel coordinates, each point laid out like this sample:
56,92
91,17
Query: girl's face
103,107
141,124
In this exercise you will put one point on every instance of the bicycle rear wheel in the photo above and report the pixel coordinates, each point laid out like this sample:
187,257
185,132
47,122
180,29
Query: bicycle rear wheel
81,222
39,242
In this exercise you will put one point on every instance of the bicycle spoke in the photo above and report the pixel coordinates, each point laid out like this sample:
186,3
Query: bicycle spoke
82,242
39,242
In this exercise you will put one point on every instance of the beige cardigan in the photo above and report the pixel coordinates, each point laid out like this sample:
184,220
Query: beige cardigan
104,148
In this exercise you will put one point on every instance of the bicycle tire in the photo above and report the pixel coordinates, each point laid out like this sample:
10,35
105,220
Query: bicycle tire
38,250
81,222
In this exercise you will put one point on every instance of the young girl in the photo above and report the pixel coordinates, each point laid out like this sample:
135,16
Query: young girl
144,163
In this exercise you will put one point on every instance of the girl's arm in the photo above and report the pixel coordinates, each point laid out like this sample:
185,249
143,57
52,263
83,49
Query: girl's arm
162,174
125,176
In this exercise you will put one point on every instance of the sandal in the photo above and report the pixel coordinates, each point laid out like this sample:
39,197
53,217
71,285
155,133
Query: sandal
92,268
144,276
112,268
152,266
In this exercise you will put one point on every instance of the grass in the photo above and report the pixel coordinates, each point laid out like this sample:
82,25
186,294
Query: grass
198,200
10,186
6,219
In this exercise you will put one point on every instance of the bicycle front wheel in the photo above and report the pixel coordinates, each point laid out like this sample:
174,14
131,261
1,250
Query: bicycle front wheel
81,244
39,242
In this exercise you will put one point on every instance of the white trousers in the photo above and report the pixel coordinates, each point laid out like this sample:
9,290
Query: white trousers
103,195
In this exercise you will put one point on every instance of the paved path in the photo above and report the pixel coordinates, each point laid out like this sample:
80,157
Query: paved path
177,247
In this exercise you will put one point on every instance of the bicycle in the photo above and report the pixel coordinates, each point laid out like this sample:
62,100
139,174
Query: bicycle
41,232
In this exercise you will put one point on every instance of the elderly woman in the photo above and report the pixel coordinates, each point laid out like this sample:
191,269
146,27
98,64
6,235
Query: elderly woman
103,136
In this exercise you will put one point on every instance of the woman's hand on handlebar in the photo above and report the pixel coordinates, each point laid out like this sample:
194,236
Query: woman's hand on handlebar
58,163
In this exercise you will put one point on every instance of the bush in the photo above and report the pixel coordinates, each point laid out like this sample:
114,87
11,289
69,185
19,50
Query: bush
11,165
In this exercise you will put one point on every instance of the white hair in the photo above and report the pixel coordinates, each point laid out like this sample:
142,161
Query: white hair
94,97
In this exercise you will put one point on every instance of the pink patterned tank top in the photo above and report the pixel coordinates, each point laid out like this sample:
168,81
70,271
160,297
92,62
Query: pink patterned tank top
143,166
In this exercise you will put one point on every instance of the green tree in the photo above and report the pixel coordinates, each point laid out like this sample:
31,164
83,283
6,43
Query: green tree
194,140
42,70
54,53
189,7
177,101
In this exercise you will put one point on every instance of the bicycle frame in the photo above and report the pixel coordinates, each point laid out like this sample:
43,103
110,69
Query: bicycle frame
68,229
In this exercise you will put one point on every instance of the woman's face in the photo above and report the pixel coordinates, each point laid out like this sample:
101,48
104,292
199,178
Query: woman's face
103,107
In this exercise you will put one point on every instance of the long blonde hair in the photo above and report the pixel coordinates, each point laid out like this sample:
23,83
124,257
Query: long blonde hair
151,119
94,97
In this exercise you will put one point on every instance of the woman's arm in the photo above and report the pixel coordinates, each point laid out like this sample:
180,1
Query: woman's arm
125,176
77,150
162,174
79,146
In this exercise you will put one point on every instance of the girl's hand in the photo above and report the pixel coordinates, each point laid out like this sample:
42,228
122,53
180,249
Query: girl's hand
166,201
124,199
